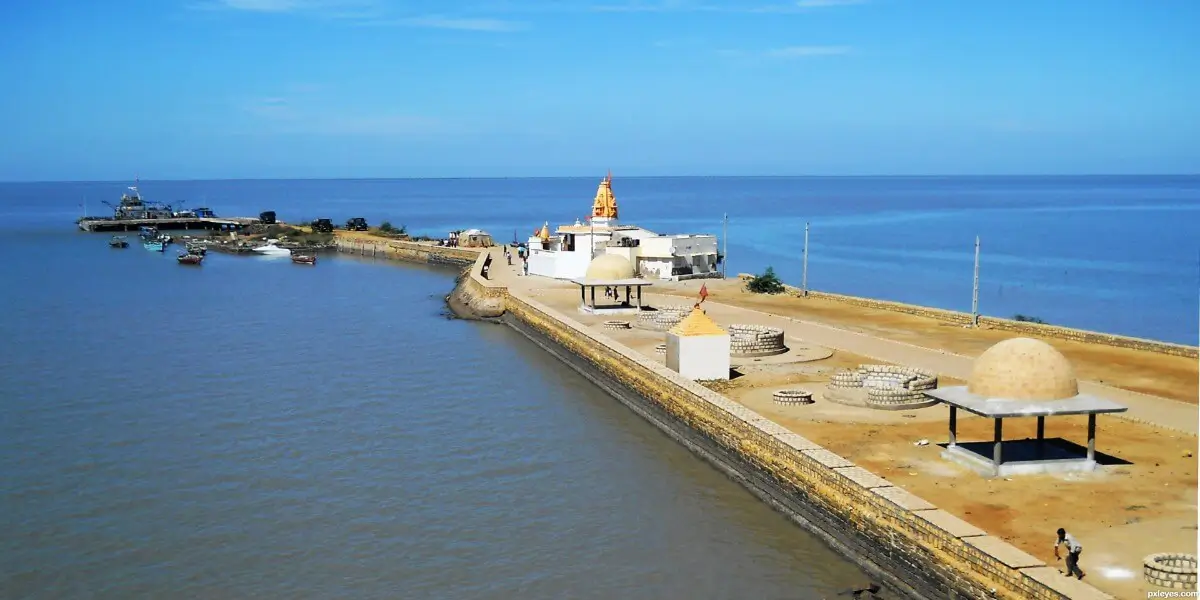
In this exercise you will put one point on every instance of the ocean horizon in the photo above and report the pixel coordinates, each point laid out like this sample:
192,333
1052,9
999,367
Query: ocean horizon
1112,253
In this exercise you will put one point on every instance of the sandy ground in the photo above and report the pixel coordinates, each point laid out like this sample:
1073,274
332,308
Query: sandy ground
1121,513
1171,377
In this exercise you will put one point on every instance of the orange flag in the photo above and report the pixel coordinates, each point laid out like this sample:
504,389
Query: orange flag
703,292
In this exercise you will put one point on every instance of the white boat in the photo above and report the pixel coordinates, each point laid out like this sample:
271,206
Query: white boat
270,249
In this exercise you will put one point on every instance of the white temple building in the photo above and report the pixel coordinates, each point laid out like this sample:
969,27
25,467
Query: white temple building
566,252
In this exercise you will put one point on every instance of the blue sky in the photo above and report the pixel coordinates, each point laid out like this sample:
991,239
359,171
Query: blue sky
180,89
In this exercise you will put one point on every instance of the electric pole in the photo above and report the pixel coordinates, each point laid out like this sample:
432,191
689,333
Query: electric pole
804,277
975,291
725,242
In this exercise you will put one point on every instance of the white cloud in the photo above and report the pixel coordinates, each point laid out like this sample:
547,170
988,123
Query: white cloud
808,51
279,115
827,3
461,24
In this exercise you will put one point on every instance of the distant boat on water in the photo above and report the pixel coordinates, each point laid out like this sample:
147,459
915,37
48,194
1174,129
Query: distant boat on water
155,246
118,242
303,259
189,259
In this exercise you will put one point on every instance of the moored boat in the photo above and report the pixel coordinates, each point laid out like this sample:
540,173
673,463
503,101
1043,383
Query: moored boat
270,249
189,259
155,246
195,248
118,242
304,259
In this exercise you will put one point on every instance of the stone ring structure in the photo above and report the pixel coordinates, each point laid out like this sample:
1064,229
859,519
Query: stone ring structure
888,387
1171,570
755,340
616,324
664,317
793,397
660,349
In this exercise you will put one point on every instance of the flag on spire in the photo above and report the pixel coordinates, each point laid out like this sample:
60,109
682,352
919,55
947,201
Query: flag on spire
703,292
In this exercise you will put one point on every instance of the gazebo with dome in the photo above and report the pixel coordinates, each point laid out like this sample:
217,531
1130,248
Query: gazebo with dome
614,274
1018,378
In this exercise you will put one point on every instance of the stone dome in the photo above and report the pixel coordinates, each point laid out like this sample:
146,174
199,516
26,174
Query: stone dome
609,266
1023,369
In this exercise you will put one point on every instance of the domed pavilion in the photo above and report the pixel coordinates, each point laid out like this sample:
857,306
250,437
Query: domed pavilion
1020,378
614,273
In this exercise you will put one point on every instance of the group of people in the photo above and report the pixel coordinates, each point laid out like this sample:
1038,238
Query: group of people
521,254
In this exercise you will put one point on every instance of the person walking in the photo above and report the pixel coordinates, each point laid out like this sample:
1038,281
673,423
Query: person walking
1074,548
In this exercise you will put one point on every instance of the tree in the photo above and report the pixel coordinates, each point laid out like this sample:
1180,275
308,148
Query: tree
385,226
767,283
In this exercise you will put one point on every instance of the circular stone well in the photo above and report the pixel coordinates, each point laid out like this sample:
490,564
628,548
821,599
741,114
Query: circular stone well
1171,570
792,397
616,324
660,349
755,340
664,318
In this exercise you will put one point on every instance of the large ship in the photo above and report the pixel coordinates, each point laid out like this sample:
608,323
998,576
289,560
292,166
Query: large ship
133,207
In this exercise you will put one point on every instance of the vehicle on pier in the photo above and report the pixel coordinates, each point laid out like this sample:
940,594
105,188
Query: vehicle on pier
267,217
304,259
322,226
187,258
118,242
357,224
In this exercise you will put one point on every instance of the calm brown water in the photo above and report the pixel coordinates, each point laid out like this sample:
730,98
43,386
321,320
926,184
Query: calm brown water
254,428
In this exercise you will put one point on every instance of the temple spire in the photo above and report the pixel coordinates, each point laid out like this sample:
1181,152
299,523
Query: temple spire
605,204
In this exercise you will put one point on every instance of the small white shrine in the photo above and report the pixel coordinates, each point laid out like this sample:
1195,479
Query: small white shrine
567,252
697,348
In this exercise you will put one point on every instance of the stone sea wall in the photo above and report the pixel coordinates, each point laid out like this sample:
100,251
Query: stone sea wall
408,251
1021,327
913,547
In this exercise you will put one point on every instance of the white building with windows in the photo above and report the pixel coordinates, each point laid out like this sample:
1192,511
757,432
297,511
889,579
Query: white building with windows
566,252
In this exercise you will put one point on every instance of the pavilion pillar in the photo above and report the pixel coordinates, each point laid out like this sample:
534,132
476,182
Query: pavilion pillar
639,292
583,295
1091,456
953,426
1041,435
996,454
628,295
593,297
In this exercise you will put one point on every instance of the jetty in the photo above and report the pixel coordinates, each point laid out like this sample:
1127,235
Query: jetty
133,213
110,224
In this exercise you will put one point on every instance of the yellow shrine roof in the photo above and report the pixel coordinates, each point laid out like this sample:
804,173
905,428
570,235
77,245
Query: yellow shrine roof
605,203
697,324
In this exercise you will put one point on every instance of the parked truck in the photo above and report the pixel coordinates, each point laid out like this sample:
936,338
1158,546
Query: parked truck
322,226
357,224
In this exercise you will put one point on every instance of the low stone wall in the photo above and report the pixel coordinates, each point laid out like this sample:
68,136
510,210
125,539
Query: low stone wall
887,386
664,318
407,251
1021,327
755,340
914,548
1171,570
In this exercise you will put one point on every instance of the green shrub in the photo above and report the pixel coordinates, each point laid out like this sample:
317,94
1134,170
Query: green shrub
767,283
1028,319
386,226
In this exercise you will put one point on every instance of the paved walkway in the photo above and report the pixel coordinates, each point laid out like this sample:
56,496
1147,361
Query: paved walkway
1143,408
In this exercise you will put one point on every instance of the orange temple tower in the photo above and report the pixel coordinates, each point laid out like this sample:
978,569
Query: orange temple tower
604,207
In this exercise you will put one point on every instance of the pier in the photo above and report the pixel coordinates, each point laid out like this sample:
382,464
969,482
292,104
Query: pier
101,224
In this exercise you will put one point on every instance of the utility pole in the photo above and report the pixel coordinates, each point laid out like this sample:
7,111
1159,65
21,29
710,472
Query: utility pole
975,291
804,277
724,242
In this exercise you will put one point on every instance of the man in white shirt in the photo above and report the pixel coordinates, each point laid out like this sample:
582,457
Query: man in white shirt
1073,549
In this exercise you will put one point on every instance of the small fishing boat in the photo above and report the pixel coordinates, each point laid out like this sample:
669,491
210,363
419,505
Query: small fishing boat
304,259
155,246
189,259
165,239
118,242
195,248
148,233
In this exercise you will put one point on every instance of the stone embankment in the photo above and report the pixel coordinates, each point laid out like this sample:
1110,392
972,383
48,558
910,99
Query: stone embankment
1020,327
914,548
